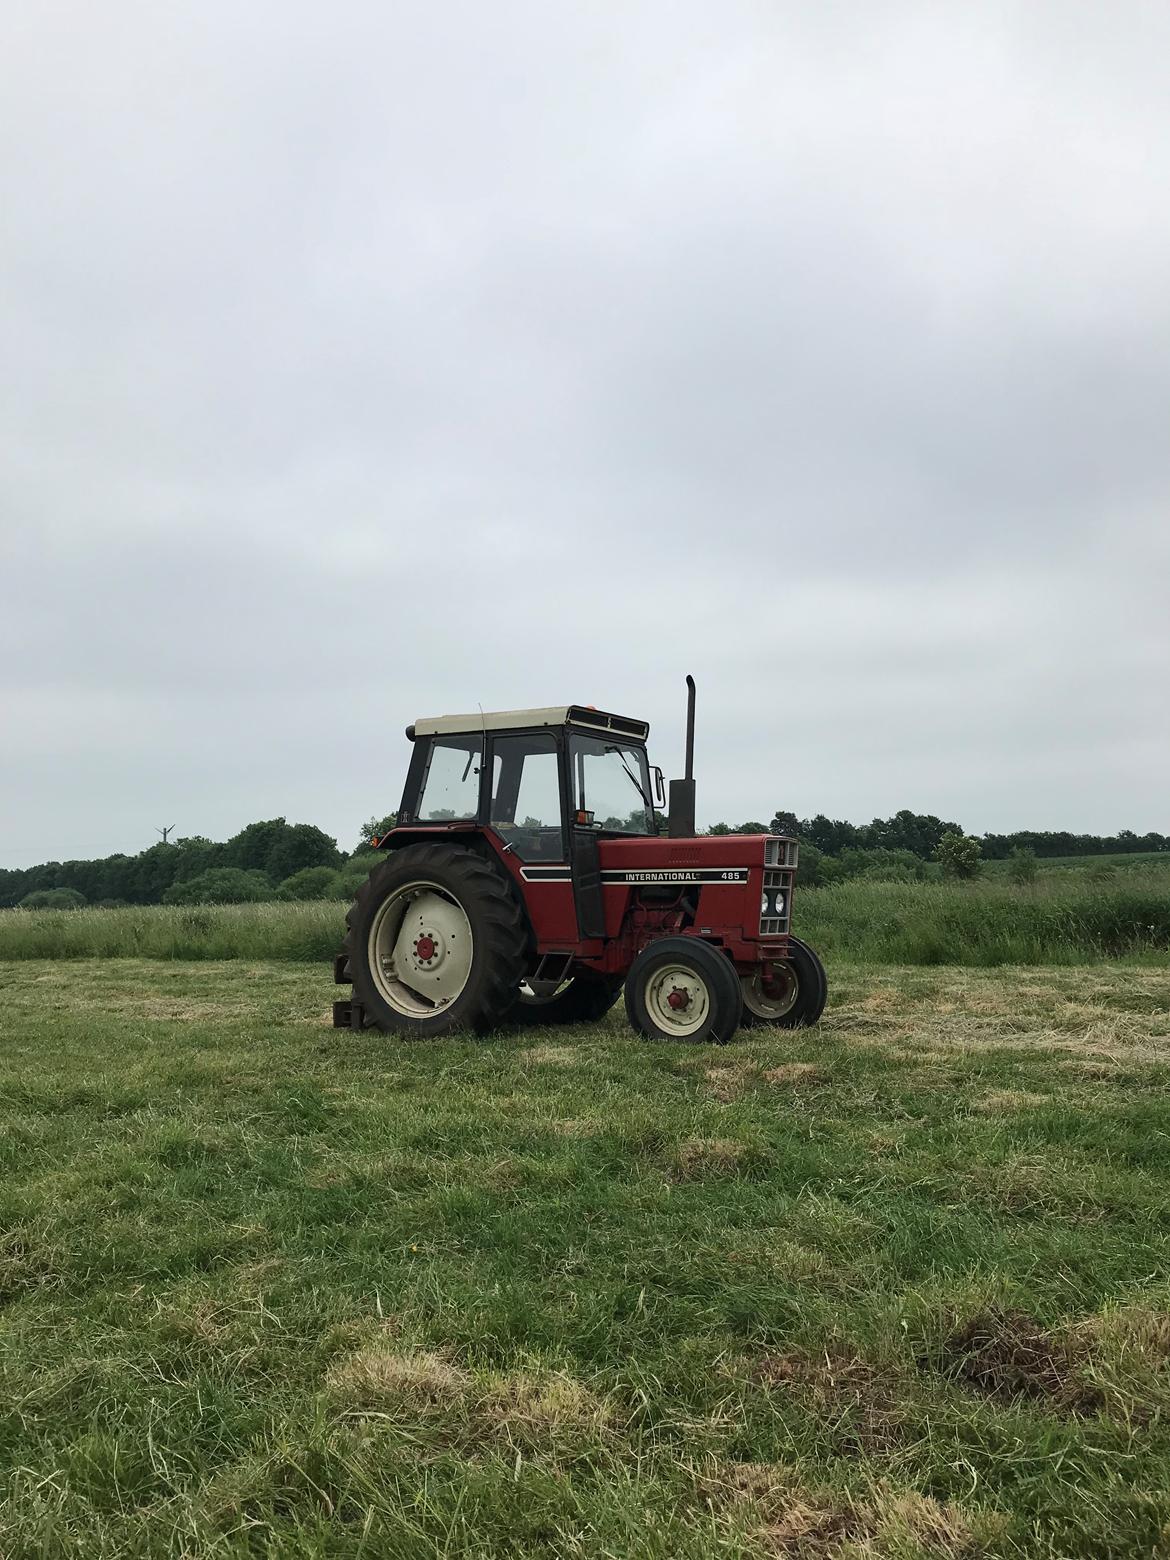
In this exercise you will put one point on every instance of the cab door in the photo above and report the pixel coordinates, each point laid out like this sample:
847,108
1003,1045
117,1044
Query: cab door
526,812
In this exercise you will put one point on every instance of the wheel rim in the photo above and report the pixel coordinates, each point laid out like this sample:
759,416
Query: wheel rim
420,949
678,1000
778,999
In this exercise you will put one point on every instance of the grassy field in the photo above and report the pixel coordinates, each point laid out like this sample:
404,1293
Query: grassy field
1063,919
1122,861
896,1287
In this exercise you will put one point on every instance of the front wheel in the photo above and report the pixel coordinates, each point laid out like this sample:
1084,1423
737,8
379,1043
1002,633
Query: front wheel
795,996
681,988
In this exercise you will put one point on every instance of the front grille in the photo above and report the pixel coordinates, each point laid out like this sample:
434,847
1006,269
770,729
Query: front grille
780,858
777,883
780,851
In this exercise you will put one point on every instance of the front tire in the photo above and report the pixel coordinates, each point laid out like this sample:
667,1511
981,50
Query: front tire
436,942
795,999
681,988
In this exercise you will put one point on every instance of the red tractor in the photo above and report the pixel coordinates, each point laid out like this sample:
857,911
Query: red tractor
527,881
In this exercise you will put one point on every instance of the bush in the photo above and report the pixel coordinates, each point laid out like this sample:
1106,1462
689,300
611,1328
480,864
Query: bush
221,886
958,854
1022,866
887,866
53,899
355,872
310,883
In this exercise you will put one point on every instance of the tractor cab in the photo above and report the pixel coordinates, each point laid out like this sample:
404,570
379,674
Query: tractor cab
533,775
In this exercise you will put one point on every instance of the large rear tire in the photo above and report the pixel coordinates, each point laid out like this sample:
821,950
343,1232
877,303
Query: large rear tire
436,941
681,988
584,999
794,1000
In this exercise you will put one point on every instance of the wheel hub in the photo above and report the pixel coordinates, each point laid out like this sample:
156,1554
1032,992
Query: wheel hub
677,1000
421,949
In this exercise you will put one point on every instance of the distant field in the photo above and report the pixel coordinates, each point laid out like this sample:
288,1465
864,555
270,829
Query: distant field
1138,861
1065,918
891,1289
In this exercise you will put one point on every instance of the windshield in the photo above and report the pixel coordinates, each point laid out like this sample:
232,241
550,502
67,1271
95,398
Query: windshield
611,780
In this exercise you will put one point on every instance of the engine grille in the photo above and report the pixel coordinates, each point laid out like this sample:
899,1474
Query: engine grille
780,859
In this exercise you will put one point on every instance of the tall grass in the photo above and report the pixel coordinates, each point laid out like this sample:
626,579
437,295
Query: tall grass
299,932
1066,920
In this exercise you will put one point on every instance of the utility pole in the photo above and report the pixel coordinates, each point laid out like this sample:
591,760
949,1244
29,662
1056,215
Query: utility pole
165,832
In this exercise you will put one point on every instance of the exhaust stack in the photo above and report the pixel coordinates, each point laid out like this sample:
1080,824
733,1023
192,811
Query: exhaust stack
681,824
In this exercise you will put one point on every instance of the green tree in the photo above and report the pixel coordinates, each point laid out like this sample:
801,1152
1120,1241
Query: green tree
373,829
958,855
279,848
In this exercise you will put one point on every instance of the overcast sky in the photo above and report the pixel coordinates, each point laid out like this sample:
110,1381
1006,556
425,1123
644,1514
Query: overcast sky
368,361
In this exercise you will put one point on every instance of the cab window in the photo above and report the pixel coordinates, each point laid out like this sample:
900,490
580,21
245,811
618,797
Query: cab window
611,785
451,787
526,796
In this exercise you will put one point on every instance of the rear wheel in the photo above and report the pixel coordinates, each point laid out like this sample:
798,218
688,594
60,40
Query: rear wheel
795,996
436,941
583,999
681,988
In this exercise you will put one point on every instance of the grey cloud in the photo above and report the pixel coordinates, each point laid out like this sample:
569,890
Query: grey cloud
374,363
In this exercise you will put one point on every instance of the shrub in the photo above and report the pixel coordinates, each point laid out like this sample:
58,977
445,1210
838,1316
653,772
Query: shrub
958,855
53,899
355,872
310,883
1022,866
220,886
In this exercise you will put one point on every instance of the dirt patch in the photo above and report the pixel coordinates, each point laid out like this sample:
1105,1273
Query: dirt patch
700,1157
857,1399
1008,1355
728,1083
533,1407
550,1055
379,1377
1009,1100
1094,1072
798,1074
580,1126
802,1524
1132,1329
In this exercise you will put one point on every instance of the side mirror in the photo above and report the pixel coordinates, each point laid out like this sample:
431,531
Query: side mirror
659,787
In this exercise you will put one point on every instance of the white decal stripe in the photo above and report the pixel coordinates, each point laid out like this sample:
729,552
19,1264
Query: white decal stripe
677,875
636,875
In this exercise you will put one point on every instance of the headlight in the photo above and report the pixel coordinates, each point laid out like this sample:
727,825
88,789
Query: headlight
764,904
779,905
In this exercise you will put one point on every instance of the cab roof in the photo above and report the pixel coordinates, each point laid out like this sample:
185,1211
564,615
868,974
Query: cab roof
579,716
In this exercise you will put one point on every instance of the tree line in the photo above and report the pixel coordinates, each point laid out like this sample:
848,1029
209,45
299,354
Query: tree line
272,859
908,844
275,859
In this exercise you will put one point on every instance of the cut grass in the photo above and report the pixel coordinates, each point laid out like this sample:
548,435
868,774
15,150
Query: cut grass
894,1287
1063,919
